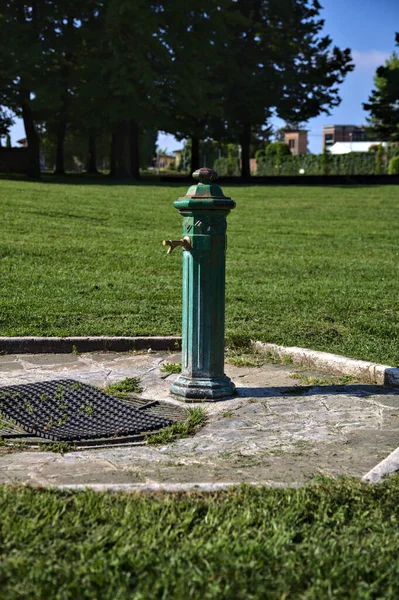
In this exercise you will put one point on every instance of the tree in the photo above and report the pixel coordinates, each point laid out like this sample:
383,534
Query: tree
383,103
275,62
6,121
21,51
195,34
134,73
67,43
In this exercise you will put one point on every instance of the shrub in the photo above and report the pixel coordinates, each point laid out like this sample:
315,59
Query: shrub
325,162
355,163
393,168
378,160
277,149
226,166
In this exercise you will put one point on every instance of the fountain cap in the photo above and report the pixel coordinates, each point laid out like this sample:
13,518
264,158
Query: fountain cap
205,195
205,175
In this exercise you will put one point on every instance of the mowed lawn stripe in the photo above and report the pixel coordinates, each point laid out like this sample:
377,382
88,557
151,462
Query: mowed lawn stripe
306,266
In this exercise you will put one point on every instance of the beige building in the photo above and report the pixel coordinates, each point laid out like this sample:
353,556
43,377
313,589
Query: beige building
164,161
297,141
342,133
178,157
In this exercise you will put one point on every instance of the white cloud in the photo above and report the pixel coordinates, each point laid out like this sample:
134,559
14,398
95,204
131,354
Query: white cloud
369,59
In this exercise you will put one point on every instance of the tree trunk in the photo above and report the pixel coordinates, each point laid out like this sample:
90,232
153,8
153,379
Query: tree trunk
134,150
195,153
112,157
91,163
120,162
31,136
245,140
59,155
63,116
27,114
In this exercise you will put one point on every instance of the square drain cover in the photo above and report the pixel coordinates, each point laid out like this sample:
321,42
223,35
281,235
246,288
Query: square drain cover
67,411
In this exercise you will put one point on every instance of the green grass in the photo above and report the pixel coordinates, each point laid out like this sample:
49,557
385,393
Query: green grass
315,267
171,368
329,540
121,389
331,380
196,418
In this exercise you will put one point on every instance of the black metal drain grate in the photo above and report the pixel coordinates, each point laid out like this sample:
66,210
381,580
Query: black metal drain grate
68,411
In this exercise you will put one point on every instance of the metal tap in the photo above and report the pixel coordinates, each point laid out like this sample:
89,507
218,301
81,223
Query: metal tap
184,243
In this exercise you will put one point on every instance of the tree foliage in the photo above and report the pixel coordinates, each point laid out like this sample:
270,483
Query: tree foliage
277,62
383,103
277,149
393,167
206,71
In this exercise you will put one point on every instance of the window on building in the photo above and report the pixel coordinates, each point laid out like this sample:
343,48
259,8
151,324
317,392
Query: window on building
328,139
358,136
291,143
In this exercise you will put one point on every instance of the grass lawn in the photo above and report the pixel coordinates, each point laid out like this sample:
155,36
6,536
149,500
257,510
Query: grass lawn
315,267
327,540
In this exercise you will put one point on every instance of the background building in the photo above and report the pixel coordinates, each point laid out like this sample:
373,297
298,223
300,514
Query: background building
297,141
347,147
342,133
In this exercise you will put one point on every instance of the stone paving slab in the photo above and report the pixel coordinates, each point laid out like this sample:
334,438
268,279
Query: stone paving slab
270,432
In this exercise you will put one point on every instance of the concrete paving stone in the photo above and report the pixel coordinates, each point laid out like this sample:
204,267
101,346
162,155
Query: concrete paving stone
45,360
262,434
8,367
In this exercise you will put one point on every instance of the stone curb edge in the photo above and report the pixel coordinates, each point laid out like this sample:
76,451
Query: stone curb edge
68,345
366,372
168,487
388,466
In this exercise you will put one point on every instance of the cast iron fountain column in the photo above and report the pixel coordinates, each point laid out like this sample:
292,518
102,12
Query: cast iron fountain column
204,210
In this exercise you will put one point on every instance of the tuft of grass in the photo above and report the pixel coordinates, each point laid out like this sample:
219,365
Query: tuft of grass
122,389
171,368
276,359
243,360
57,447
310,380
228,414
182,429
11,446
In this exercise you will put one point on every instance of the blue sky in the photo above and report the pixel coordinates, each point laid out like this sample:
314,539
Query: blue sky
367,27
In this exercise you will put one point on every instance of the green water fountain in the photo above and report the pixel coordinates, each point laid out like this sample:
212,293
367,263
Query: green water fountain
204,210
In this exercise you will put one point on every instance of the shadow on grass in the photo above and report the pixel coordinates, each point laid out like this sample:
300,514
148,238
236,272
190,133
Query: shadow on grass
362,391
106,180
84,179
165,181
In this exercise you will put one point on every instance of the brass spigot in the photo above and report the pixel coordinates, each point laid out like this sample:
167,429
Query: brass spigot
184,243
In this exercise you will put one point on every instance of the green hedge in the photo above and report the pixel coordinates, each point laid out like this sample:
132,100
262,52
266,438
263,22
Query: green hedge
393,168
226,166
356,163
